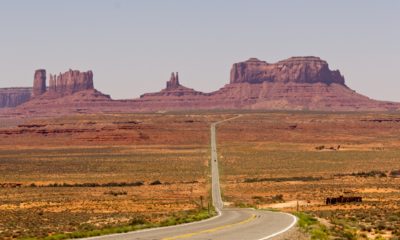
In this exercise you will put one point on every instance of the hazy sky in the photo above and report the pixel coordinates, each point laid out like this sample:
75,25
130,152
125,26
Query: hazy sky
133,46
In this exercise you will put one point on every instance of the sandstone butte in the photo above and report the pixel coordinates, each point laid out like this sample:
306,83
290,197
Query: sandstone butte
297,83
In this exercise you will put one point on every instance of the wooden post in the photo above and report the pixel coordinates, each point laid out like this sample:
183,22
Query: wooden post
201,202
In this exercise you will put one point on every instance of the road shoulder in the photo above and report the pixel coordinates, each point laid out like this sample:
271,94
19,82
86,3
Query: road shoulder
293,233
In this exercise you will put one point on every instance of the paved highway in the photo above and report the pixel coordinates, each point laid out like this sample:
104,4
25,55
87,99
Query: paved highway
230,224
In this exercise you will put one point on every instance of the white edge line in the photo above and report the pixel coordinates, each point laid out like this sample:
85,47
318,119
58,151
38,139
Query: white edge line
157,228
284,230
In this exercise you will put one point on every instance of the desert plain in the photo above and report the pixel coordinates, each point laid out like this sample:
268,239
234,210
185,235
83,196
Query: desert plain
93,172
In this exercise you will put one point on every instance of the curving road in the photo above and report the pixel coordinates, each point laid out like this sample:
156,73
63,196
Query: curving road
230,224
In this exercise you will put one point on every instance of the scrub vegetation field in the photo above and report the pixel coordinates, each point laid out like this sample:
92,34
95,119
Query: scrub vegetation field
294,161
94,174
83,174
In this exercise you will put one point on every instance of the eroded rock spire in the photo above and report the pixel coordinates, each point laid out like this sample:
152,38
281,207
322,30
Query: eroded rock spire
173,81
39,83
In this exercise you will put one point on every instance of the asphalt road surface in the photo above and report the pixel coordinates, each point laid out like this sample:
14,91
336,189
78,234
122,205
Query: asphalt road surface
230,224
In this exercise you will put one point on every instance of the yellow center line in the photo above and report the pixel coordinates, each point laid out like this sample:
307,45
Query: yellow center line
253,216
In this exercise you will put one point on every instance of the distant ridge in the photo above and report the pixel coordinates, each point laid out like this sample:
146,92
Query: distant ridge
297,83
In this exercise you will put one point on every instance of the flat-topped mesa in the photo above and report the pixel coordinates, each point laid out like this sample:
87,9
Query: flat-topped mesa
303,59
71,82
12,97
39,83
295,69
173,81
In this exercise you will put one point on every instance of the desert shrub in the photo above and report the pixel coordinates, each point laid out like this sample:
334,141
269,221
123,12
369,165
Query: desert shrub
305,220
324,214
311,225
393,218
373,173
395,173
350,235
320,147
363,227
116,193
319,234
363,235
282,179
244,205
157,182
379,238
257,197
86,227
138,220
92,185
381,225
278,198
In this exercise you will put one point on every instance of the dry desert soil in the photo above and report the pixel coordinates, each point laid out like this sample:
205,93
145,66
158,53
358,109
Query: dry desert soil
91,172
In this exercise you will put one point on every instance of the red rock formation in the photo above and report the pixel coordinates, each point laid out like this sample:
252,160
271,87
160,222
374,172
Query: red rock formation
173,81
71,82
12,97
39,82
295,69
298,83
174,88
67,93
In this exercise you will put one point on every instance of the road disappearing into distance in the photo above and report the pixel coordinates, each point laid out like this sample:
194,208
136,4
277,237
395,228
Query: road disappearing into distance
229,224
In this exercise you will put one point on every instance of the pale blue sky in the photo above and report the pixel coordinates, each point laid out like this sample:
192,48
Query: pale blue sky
132,46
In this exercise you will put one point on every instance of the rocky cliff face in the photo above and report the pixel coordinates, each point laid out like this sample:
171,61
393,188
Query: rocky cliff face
12,97
71,82
295,69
